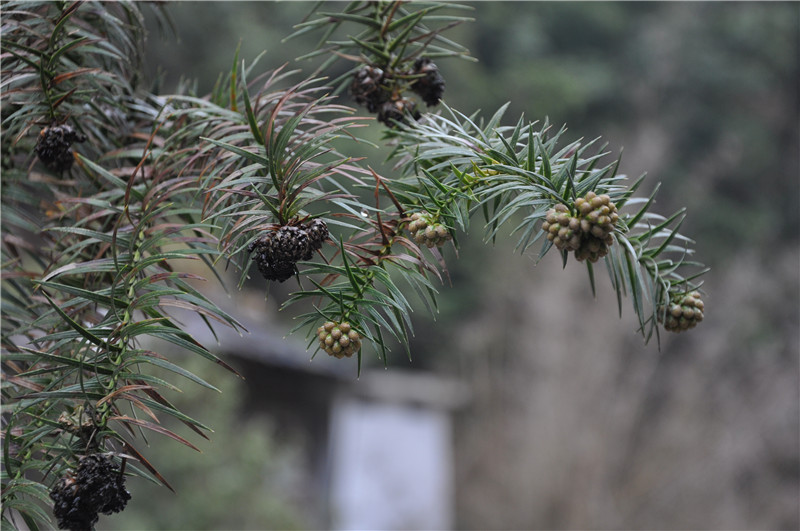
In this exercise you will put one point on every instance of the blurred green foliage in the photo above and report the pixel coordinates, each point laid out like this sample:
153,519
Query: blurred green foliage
243,479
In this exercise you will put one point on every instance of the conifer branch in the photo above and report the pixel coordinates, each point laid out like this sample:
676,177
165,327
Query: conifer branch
108,188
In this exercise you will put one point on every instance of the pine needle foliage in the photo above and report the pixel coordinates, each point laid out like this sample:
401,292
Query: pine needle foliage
110,191
386,34
516,174
93,242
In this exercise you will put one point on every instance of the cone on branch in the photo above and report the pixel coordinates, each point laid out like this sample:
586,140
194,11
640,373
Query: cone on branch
562,228
586,229
277,252
53,146
684,311
430,85
367,88
398,109
98,486
382,91
425,230
339,340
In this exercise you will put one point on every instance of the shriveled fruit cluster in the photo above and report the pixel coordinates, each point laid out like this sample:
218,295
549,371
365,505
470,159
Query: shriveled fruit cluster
397,109
430,85
97,487
338,339
277,252
367,89
374,88
427,231
684,311
588,231
381,90
53,146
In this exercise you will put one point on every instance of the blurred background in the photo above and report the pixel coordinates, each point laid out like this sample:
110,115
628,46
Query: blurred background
529,403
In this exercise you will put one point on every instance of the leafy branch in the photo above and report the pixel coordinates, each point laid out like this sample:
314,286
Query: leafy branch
386,34
95,236
277,189
521,174
92,242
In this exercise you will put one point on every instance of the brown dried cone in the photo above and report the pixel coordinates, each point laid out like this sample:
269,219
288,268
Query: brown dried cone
66,508
98,486
277,252
684,311
430,86
366,88
317,234
53,146
338,339
426,231
397,110
290,243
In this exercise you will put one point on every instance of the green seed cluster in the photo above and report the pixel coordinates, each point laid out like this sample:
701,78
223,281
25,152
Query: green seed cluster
684,311
563,229
426,231
338,339
588,231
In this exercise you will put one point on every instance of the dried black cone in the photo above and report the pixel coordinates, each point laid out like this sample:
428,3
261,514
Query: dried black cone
53,146
430,86
290,244
97,487
277,252
269,261
366,88
398,110
317,234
